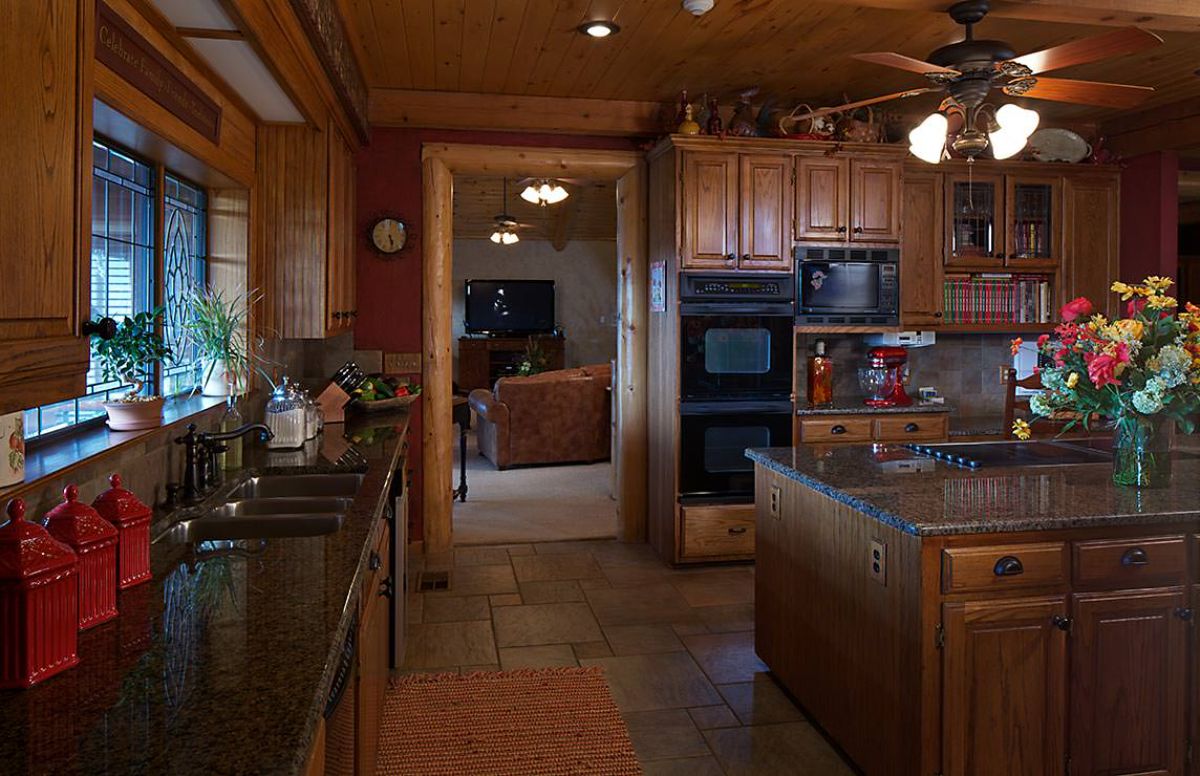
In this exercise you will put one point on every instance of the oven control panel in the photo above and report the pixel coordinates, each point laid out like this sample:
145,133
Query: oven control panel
732,287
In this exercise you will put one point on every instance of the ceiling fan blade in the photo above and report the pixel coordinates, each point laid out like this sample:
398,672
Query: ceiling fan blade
892,59
1089,92
1127,40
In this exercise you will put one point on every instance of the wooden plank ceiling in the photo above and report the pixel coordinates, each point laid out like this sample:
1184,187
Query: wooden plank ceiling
794,50
590,213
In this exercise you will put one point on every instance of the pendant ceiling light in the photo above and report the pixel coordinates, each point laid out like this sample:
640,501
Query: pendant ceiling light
504,226
544,192
1005,130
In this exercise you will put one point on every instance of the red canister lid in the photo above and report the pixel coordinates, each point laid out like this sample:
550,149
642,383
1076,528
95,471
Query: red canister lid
27,549
119,506
76,523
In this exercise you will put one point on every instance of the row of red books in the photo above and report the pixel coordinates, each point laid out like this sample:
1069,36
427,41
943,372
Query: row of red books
997,298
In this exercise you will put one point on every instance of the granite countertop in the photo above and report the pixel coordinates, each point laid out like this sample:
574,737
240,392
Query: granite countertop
977,425
853,405
928,498
223,662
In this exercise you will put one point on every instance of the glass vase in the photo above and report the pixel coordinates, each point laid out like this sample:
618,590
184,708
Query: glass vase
1142,452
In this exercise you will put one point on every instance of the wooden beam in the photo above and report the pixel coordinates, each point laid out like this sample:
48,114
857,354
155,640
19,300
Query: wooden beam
518,161
1165,128
465,110
437,417
560,230
633,346
1168,15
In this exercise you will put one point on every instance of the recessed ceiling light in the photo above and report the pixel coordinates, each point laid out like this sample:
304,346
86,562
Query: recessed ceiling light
599,29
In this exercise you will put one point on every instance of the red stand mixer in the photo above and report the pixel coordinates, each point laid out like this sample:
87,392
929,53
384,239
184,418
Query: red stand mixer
883,379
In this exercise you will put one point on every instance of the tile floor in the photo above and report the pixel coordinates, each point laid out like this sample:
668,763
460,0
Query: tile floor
677,647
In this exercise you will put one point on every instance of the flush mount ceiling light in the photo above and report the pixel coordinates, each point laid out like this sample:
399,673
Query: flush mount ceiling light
544,192
599,28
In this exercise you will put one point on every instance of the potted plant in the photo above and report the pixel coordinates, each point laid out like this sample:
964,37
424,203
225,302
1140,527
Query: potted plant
217,327
535,361
1140,371
129,356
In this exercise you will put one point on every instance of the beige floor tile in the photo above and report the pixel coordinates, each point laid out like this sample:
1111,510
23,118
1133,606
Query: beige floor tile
480,556
640,605
728,618
789,749
450,644
541,568
545,656
726,657
528,625
688,628
519,549
637,574
599,583
574,546
690,766
716,587
505,599
551,591
456,608
642,639
760,702
648,682
592,649
481,580
663,734
709,717
484,667
438,561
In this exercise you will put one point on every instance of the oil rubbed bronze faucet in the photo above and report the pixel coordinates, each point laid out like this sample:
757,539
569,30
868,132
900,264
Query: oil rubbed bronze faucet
200,469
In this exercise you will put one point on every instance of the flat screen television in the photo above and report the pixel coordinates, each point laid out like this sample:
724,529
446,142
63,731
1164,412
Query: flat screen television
509,306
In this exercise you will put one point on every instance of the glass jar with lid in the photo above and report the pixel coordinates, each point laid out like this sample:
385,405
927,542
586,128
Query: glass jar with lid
286,417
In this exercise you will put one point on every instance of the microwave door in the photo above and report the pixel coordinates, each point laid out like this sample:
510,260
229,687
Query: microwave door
839,286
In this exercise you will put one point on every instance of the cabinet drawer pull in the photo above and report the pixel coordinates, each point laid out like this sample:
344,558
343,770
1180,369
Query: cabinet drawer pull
731,257
1184,613
737,530
911,427
375,562
386,588
838,429
1008,566
745,257
938,314
1060,622
1134,556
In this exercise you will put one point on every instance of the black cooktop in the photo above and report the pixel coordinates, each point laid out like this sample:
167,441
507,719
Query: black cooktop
1039,453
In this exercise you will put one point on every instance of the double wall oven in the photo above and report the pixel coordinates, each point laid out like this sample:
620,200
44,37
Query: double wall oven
735,380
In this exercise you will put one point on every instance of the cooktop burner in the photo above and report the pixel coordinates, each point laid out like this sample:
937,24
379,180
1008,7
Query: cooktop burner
981,454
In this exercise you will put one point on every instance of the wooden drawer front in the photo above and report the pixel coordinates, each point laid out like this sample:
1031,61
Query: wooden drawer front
1003,567
836,429
718,531
905,428
1143,562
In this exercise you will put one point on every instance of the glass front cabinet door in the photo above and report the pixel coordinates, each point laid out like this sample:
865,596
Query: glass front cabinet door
974,220
1033,228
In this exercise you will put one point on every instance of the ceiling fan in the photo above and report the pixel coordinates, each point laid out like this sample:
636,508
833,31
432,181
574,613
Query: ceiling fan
969,70
504,226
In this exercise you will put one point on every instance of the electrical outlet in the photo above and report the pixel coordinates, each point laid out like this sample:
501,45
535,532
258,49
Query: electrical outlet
775,497
877,561
1002,373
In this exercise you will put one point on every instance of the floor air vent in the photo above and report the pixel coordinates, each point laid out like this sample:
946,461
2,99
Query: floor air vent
434,580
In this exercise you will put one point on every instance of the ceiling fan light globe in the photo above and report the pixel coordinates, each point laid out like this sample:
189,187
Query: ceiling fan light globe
557,194
530,195
1006,143
928,139
1022,121
510,238
496,237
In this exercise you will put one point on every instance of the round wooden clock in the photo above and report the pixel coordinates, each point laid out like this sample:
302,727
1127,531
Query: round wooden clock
388,235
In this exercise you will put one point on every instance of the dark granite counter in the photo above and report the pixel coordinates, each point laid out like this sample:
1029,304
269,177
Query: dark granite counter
222,663
927,498
853,405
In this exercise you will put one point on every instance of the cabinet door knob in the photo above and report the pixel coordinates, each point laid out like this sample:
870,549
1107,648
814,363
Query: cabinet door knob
731,257
858,230
1008,566
1184,613
105,328
938,314
841,230
337,315
737,531
745,257
387,587
1061,622
838,429
375,561
911,427
1134,556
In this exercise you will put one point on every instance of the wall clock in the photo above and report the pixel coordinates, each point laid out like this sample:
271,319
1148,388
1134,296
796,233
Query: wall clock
389,235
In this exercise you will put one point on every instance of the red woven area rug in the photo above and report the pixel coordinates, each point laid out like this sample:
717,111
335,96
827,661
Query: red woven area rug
534,722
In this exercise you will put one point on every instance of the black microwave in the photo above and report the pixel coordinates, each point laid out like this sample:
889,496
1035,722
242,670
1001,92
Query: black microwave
838,285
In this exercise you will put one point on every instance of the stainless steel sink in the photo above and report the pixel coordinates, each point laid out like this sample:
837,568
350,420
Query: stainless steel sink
214,526
295,505
298,485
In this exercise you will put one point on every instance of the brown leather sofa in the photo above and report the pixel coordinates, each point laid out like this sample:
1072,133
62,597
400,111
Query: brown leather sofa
553,417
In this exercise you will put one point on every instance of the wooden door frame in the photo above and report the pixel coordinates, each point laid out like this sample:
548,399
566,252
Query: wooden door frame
440,162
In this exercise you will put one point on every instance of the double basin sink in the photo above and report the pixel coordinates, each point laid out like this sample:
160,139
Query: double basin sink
272,506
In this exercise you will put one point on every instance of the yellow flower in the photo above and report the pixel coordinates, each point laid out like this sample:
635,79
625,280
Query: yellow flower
1098,320
1021,430
1073,380
1158,284
1160,302
1129,328
1124,289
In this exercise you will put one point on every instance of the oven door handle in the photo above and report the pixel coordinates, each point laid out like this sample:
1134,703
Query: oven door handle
765,309
782,407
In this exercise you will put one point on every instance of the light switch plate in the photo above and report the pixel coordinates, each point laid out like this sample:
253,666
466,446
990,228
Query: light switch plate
877,561
402,363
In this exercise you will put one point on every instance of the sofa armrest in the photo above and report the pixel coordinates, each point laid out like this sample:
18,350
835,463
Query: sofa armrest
486,406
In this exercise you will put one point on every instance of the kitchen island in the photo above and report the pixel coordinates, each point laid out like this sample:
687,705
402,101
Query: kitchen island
1011,619
223,663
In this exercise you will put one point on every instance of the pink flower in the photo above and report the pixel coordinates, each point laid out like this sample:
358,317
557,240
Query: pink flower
1042,340
1101,369
1079,307
1134,307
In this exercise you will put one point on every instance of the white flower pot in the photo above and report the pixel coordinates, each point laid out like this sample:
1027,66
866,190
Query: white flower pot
134,415
12,448
217,383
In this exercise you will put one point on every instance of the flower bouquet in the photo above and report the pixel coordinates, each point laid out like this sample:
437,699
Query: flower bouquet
1139,371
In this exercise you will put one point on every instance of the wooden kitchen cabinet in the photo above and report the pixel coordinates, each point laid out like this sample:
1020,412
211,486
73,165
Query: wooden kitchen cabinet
1129,678
842,198
875,193
1004,696
307,234
974,219
710,210
766,211
921,251
45,201
374,635
1032,221
1091,248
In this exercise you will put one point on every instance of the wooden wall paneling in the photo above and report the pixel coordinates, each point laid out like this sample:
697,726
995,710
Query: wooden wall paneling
1092,241
709,199
437,410
631,377
921,250
846,621
766,211
340,304
875,200
229,250
822,189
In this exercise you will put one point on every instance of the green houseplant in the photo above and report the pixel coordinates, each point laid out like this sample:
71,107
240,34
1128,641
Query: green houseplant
217,327
129,356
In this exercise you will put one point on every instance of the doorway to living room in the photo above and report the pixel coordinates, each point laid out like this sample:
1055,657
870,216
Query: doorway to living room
534,344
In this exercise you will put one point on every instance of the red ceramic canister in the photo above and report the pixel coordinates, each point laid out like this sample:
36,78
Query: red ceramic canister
94,540
39,602
132,520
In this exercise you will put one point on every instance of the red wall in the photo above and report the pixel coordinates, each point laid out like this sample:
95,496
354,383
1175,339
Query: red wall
389,289
1150,216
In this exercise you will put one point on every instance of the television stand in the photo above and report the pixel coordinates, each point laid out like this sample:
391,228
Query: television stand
484,360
